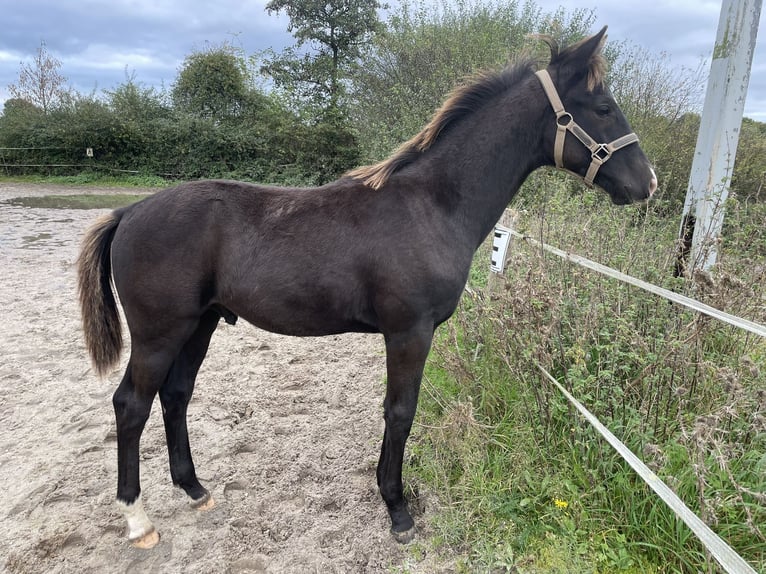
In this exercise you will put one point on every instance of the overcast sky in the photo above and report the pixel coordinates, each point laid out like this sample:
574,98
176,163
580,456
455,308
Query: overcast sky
99,41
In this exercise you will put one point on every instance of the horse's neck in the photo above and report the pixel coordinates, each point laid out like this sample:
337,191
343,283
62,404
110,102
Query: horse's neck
483,165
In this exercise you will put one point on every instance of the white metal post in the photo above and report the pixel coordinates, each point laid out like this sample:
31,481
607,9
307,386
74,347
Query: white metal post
719,133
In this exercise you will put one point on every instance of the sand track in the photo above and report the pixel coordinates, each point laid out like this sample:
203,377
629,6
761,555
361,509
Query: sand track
285,433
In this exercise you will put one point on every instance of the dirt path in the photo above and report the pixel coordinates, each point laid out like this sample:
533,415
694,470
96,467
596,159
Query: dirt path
285,433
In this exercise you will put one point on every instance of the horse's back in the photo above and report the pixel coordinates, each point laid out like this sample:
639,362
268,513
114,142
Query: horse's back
279,257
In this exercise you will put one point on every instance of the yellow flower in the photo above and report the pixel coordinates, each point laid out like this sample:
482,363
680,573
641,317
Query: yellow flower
560,503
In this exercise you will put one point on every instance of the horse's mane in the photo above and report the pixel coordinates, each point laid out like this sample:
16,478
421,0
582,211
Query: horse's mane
463,101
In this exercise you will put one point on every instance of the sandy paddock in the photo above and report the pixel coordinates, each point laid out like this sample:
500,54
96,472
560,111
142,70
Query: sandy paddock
285,433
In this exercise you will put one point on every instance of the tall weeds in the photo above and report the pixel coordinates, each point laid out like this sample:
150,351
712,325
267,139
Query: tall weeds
524,482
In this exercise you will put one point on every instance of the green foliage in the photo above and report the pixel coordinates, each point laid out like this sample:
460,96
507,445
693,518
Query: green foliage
338,32
62,135
21,125
135,129
328,147
211,84
519,473
749,174
215,123
133,102
429,47
662,104
17,113
94,178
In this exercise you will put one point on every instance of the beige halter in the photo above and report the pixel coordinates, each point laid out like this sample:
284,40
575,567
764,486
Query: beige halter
600,152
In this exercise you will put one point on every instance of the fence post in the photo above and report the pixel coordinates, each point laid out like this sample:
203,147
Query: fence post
501,241
718,135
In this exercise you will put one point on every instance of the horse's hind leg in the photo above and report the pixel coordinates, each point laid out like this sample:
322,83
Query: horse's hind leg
132,404
152,354
175,395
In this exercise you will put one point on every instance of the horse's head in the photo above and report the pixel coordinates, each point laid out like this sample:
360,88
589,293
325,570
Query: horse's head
588,134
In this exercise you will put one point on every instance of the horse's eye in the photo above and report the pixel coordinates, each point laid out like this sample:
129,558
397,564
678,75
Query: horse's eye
603,110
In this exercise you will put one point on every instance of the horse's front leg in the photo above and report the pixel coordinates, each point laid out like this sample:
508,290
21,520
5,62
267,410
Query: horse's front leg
406,354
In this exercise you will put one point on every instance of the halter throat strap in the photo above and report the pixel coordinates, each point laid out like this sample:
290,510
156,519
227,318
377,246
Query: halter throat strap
600,152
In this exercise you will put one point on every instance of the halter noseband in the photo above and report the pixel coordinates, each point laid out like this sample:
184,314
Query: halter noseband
600,152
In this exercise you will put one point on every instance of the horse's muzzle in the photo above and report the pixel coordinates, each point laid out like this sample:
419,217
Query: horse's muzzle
653,183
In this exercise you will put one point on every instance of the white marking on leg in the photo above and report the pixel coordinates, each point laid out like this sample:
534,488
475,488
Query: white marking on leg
139,524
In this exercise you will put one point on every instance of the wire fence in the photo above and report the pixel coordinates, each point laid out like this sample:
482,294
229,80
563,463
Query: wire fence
18,159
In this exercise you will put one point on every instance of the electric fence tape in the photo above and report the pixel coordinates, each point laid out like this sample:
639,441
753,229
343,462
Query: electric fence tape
751,326
732,562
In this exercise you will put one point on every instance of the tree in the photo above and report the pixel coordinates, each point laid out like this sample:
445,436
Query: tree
338,30
40,82
20,124
135,102
212,83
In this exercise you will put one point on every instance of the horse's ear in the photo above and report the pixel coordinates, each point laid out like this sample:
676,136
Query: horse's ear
579,59
590,47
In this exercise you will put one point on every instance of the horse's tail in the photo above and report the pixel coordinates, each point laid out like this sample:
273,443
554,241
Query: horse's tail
100,319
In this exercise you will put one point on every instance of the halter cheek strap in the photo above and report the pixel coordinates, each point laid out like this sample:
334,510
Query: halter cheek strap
600,152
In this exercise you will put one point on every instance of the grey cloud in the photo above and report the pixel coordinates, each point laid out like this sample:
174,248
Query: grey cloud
96,40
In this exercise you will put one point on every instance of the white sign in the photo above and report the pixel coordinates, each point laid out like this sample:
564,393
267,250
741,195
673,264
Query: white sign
500,241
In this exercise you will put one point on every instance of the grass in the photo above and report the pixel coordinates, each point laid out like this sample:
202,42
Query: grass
524,484
85,201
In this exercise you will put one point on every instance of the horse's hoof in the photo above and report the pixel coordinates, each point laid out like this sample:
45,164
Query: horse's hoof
204,503
147,541
404,537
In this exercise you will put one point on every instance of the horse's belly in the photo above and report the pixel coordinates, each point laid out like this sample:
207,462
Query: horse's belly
306,327
300,316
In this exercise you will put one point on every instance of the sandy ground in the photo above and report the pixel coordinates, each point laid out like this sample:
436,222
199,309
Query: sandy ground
285,433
